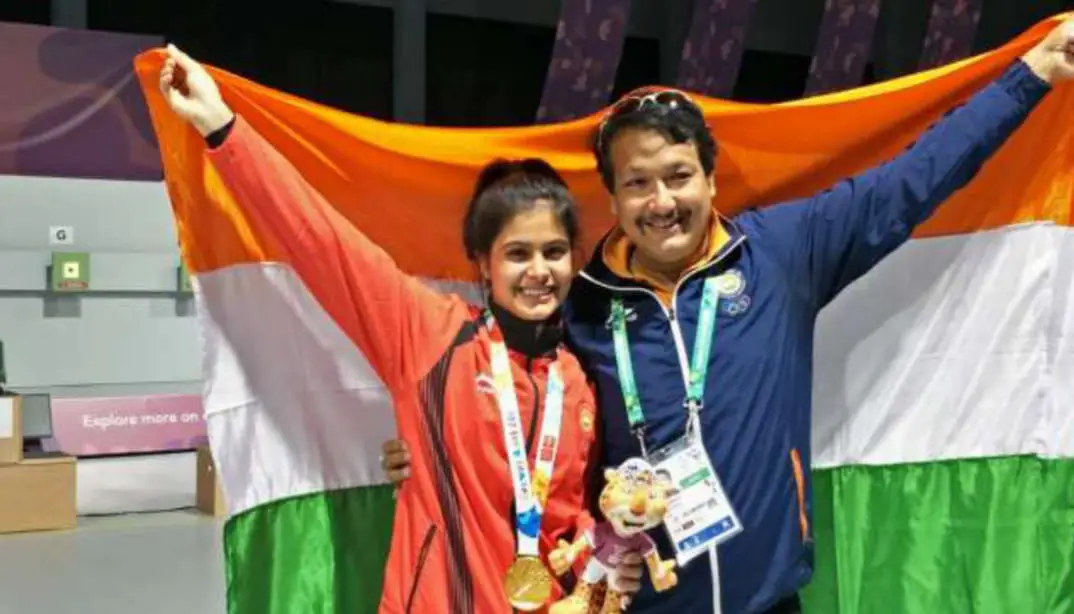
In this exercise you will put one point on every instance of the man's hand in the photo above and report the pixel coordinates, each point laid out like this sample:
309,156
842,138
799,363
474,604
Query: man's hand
395,460
664,576
1053,58
192,93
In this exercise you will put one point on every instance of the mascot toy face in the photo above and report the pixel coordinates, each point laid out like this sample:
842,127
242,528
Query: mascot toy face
634,498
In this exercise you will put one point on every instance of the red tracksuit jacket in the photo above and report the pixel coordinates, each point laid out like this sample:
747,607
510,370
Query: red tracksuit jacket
453,534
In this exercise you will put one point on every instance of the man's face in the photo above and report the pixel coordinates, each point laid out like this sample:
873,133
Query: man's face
661,195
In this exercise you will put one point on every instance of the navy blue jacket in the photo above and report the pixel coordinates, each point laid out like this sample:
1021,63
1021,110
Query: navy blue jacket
793,258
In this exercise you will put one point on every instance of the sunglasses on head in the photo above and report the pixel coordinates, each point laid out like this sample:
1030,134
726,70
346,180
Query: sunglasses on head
671,99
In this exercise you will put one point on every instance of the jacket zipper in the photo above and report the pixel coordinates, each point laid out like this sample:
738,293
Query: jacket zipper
423,554
680,345
536,406
669,313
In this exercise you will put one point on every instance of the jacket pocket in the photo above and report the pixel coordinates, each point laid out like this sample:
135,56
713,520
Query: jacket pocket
800,491
423,553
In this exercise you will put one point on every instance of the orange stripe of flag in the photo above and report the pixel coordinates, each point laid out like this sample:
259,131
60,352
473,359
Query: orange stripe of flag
406,186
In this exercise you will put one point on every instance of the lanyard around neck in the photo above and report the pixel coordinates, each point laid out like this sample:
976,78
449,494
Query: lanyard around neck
530,490
699,361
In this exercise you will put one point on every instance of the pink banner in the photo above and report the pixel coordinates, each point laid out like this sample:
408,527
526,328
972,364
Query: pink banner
125,425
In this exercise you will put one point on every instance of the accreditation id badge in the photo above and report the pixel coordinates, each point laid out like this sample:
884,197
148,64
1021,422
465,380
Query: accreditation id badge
699,514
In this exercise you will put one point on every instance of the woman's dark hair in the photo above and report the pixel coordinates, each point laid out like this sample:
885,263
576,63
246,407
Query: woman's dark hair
506,188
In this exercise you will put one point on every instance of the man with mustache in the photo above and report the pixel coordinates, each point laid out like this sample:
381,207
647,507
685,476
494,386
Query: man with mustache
697,330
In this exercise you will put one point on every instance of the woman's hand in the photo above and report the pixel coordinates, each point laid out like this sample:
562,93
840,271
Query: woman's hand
192,93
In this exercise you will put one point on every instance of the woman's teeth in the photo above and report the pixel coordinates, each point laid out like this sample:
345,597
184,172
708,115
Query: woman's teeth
536,292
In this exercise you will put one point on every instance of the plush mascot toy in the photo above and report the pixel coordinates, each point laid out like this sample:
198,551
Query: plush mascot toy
633,501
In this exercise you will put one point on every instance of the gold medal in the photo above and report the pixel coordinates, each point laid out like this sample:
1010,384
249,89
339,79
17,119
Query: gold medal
528,584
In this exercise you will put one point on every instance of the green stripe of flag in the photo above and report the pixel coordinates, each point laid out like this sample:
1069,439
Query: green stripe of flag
991,536
315,554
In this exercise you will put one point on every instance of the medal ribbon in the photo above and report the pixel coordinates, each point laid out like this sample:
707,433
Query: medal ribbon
528,506
699,361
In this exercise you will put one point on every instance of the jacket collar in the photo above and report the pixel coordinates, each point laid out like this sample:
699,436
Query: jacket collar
599,273
526,339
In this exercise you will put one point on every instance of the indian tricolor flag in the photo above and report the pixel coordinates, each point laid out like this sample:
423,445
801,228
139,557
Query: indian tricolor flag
944,388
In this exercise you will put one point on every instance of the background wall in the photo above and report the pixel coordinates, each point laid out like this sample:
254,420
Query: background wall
77,150
136,342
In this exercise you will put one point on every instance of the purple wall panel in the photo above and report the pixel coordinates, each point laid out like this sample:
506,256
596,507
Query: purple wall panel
712,53
952,28
71,105
581,73
843,45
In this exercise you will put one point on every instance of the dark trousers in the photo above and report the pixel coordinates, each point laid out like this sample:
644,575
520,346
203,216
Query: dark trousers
791,605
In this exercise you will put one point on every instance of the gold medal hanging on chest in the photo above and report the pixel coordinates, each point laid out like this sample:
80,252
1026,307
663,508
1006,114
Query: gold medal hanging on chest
528,584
